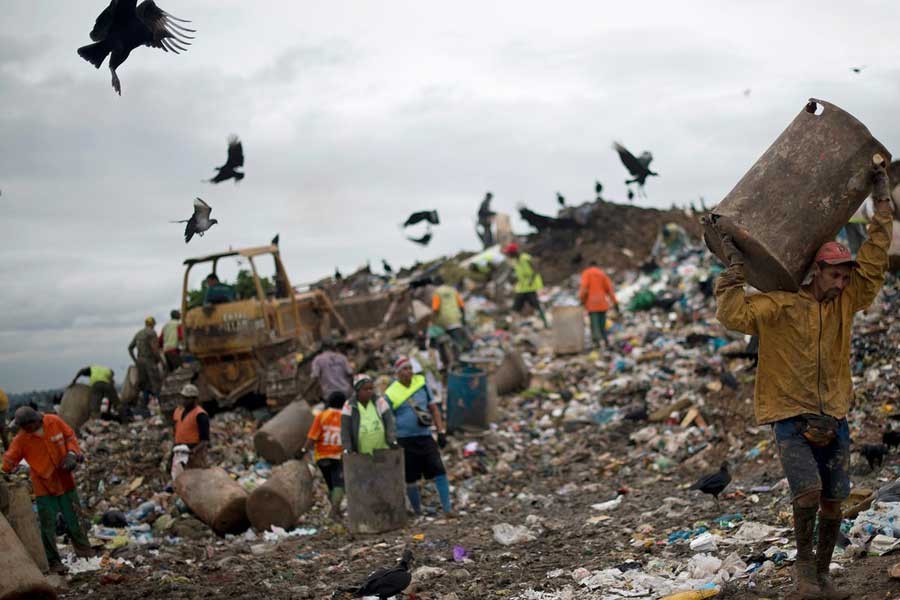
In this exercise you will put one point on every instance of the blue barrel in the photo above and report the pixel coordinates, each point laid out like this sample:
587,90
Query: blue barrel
469,398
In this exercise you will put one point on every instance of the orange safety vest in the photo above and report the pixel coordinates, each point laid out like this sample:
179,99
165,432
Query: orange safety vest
186,431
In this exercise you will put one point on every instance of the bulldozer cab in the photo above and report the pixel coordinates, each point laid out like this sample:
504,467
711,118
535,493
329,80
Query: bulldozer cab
252,311
246,330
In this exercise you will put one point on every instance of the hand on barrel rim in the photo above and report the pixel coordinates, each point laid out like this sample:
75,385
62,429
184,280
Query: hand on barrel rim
881,193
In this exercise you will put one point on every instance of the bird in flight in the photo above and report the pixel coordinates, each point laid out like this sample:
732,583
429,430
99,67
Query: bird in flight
639,167
858,70
199,222
429,216
123,26
422,241
561,200
235,160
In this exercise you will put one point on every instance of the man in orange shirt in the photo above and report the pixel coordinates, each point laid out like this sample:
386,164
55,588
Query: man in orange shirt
596,294
49,447
325,435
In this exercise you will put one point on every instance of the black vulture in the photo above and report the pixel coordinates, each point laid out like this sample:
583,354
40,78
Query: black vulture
714,483
387,582
639,167
386,266
430,216
561,200
890,438
123,26
874,454
199,222
235,160
422,241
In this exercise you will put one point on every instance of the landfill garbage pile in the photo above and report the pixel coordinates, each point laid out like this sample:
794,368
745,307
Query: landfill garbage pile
578,489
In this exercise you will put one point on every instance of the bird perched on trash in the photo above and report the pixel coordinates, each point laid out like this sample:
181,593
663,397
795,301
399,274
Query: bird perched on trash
561,200
714,483
728,379
387,267
123,26
199,222
598,189
874,454
384,583
639,167
235,160
890,438
276,239
337,275
431,216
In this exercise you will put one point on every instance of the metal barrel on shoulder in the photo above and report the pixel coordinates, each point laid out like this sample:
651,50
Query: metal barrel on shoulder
797,195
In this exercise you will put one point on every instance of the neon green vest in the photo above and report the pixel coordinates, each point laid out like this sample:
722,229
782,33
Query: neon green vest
101,374
170,336
450,314
527,279
398,393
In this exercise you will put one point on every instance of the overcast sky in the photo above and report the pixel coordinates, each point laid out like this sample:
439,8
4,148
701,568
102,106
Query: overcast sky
354,114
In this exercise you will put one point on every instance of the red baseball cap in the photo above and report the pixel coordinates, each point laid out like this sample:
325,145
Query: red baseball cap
835,253
512,248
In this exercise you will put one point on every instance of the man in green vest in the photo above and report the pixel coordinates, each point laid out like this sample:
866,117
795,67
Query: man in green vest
101,380
170,340
528,280
415,412
448,313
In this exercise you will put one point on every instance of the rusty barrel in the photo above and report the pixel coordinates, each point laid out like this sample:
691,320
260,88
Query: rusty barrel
798,195
280,501
215,498
75,406
24,521
282,435
376,491
21,578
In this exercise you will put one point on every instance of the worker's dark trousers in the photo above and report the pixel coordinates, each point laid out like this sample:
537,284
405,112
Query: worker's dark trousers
67,505
598,328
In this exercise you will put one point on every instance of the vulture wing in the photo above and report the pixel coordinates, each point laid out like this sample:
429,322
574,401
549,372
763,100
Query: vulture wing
201,210
235,153
628,159
165,31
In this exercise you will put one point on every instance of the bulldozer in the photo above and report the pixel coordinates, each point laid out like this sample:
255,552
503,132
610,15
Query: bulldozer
250,342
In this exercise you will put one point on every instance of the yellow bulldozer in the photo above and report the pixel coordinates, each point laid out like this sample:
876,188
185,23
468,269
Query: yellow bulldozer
249,339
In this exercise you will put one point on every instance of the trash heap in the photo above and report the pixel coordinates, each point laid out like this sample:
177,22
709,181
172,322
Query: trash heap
578,489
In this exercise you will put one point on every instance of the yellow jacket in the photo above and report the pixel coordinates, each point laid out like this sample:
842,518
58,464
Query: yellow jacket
804,345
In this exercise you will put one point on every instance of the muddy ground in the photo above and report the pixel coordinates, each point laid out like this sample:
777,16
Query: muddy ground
556,479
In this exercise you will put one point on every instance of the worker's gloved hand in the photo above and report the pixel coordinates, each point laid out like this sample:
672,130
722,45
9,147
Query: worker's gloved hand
881,192
442,440
732,254
70,462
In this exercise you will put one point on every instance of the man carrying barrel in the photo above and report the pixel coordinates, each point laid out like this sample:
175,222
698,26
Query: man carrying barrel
49,447
803,385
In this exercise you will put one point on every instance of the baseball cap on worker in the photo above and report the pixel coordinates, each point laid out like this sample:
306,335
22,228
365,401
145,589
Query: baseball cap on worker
361,380
835,253
25,415
189,390
401,362
149,321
